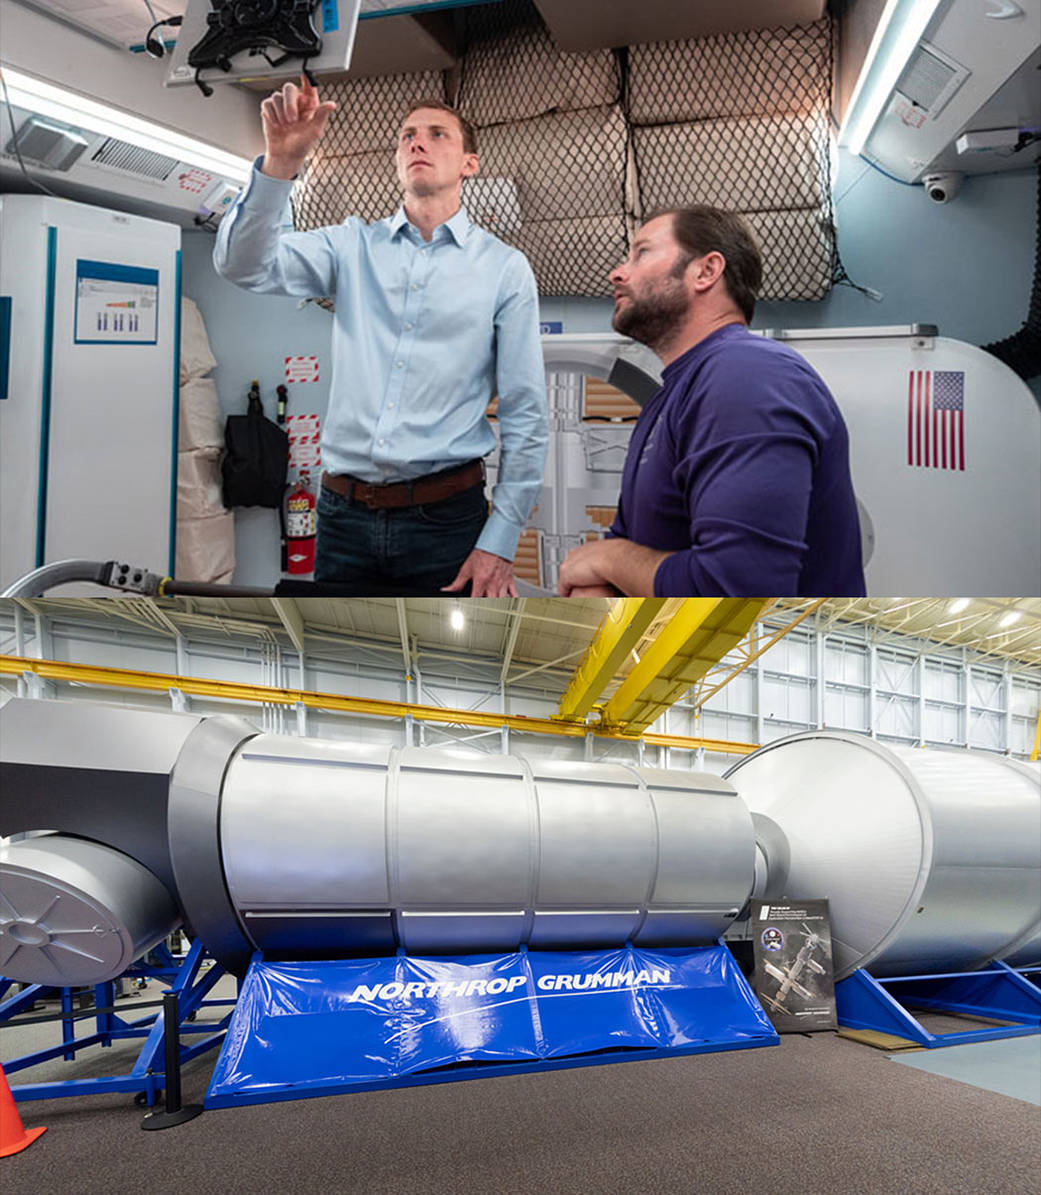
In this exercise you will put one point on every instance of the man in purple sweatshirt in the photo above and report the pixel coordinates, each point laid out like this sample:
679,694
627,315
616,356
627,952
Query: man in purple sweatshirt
736,481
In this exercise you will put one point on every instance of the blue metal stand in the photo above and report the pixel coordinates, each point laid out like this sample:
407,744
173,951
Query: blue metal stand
996,993
1031,975
148,1074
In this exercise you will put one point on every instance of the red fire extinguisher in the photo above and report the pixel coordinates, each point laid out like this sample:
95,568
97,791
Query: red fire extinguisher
301,526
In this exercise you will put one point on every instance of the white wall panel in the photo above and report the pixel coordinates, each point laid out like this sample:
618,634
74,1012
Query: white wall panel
898,719
846,709
943,681
943,724
788,698
846,662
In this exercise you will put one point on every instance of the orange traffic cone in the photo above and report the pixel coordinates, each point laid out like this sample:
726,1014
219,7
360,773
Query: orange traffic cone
13,1138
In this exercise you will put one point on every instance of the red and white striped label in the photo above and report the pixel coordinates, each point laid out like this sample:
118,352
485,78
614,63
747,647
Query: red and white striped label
305,441
194,180
301,369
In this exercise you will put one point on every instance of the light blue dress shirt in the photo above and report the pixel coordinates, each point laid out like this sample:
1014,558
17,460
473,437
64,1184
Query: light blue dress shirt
425,333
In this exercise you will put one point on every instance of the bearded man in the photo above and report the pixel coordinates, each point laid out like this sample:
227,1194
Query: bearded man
736,481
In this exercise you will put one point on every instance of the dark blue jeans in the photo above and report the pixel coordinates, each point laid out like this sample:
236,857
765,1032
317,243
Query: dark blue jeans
416,547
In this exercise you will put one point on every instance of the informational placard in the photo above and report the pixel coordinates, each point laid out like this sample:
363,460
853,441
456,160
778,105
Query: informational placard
305,442
794,973
116,304
301,369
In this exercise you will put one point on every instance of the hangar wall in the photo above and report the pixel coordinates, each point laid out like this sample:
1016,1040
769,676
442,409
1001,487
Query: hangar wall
906,691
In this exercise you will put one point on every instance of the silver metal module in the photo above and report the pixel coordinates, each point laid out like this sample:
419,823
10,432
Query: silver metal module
930,859
76,912
312,848
340,847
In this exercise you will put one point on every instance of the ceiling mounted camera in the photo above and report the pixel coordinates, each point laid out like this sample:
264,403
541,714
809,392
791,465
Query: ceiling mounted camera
944,186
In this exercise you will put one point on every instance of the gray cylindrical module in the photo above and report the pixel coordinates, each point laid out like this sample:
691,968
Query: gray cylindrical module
931,860
344,848
77,912
1026,950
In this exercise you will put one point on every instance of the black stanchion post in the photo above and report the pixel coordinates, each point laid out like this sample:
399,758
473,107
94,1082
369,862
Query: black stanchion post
173,1112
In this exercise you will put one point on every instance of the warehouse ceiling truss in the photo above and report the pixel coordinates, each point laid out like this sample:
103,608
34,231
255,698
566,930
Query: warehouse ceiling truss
615,667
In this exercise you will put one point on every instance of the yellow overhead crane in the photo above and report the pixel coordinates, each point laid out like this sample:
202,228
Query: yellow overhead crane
622,629
697,634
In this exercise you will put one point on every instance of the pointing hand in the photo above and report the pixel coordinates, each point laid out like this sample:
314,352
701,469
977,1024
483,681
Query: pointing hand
294,121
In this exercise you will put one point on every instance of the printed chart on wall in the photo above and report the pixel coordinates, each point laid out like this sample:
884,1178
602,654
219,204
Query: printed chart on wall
794,973
116,304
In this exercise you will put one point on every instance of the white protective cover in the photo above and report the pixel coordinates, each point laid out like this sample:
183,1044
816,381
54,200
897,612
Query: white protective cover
200,425
199,484
206,549
196,355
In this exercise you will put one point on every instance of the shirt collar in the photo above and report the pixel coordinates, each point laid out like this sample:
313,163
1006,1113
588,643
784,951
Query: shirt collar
458,226
695,351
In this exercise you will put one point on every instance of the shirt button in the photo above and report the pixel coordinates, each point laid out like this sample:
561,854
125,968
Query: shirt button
382,442
408,327
415,286
401,365
391,405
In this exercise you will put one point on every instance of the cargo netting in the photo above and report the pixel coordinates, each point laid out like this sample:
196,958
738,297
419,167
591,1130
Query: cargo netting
576,147
742,121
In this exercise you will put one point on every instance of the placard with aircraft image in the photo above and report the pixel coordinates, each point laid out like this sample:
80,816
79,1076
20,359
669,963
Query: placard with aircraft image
794,972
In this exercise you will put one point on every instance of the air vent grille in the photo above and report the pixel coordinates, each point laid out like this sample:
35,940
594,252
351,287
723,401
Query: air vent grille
133,160
930,79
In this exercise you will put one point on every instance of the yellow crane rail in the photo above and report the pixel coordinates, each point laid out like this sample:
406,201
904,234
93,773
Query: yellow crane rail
159,682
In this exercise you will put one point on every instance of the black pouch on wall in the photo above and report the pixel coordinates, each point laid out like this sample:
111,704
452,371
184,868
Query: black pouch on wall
256,458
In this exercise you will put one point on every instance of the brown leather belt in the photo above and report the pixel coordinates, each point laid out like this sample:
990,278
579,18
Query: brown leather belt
421,491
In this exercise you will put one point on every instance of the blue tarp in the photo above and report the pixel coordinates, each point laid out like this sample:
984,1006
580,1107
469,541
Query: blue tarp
313,1028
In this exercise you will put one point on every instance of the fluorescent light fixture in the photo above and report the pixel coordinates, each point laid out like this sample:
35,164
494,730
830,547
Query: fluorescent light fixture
958,605
1008,619
35,95
456,619
899,30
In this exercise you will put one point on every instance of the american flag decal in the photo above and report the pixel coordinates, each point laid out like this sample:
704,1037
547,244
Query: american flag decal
936,419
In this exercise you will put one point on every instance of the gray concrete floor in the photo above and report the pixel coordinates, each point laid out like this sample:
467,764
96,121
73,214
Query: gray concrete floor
1010,1067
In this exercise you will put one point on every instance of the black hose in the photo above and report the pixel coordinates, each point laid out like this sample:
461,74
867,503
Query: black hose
1022,351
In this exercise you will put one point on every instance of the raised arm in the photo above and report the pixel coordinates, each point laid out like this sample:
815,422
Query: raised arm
252,249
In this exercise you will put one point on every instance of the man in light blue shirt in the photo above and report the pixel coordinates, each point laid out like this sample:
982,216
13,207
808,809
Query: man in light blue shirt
433,316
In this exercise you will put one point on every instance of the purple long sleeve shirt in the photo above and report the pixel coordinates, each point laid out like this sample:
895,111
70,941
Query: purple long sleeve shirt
739,466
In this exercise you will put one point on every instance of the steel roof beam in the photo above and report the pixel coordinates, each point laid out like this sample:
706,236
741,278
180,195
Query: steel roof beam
289,615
